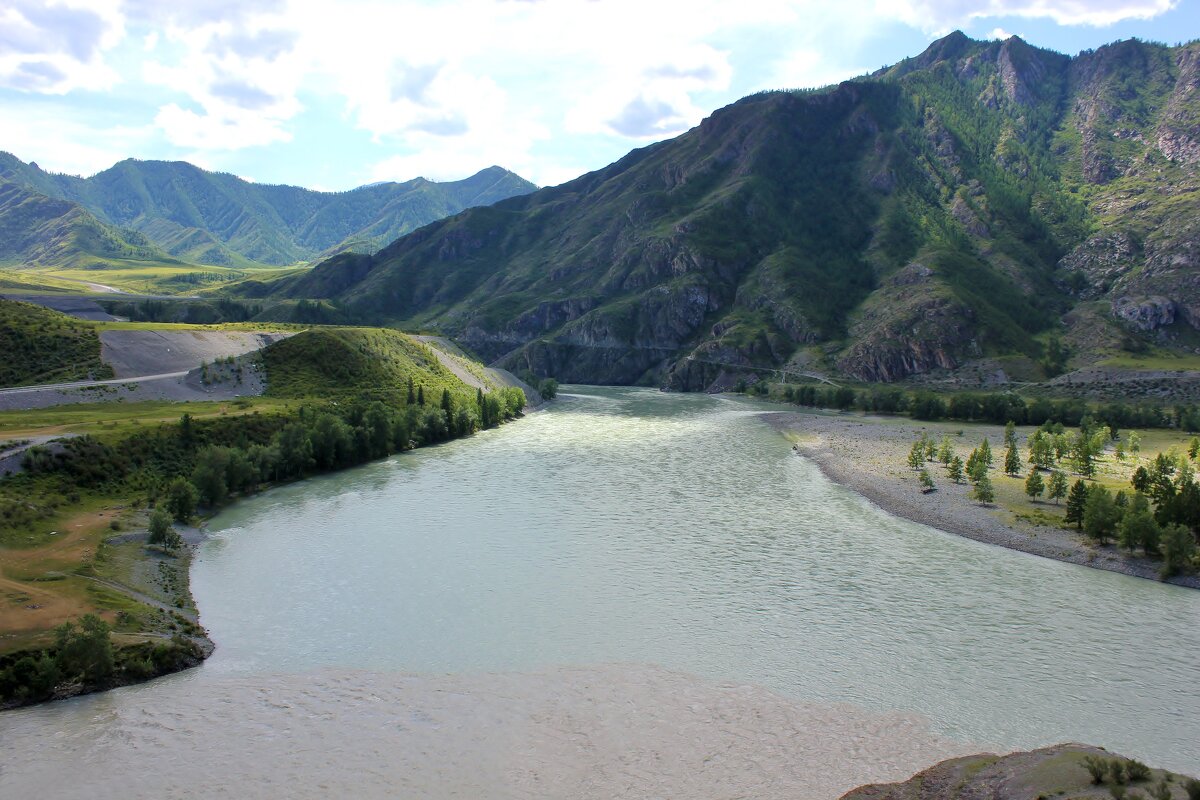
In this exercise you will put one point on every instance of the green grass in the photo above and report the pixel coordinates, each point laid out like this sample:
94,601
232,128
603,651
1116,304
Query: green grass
154,278
336,361
44,346
114,419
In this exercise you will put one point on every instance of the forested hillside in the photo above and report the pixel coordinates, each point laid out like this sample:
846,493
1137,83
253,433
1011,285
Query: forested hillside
219,219
985,203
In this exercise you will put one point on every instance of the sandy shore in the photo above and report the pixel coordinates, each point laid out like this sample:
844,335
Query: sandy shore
869,454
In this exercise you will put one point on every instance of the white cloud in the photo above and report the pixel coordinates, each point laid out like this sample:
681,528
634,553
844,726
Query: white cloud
69,144
57,46
216,131
940,15
453,86
808,69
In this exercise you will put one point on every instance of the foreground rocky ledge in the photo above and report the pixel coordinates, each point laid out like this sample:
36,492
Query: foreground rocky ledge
1058,771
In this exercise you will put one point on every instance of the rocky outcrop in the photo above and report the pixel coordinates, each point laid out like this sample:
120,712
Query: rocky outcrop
1146,313
910,326
1100,262
1032,775
1178,136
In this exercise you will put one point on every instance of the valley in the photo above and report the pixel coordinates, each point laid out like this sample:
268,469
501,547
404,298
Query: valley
877,445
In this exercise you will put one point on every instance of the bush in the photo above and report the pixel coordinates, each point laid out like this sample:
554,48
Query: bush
1137,771
161,532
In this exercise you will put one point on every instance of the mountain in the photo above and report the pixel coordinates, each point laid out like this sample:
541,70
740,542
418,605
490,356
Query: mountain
218,219
969,206
36,229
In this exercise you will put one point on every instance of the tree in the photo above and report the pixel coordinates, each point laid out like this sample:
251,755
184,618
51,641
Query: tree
84,650
1034,486
983,491
1100,514
946,451
1194,447
1010,434
420,395
1076,502
181,499
1081,452
161,532
1057,486
985,453
187,433
1041,450
1135,444
926,481
930,448
548,388
956,469
412,394
1138,529
916,455
209,476
1141,479
1012,461
1179,551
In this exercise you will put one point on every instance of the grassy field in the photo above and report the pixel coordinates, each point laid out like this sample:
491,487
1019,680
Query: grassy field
110,420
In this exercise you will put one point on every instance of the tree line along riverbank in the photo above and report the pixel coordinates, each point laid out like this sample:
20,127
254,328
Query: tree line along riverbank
89,607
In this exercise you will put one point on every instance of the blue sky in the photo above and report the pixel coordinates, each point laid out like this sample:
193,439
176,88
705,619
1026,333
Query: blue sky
335,95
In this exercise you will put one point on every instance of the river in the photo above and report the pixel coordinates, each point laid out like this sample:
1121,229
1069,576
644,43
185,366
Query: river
600,592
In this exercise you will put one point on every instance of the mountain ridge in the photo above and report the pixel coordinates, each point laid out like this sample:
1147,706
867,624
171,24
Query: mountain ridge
947,210
219,219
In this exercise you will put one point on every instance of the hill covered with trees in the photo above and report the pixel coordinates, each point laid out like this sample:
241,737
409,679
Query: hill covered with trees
189,214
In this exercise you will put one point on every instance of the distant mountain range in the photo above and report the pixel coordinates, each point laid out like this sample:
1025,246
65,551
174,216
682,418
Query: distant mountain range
172,211
966,207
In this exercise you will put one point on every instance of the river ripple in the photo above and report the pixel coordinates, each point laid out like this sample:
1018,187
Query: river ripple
629,526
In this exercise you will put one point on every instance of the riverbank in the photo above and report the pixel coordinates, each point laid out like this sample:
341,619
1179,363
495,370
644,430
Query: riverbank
868,454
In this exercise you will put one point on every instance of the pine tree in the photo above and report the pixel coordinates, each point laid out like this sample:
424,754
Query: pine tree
983,491
420,395
1135,443
985,453
1012,461
1010,434
946,451
1057,486
412,395
1076,503
916,455
926,481
930,449
1034,484
1194,447
956,469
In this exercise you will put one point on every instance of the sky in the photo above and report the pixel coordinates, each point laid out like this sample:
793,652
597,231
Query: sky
335,95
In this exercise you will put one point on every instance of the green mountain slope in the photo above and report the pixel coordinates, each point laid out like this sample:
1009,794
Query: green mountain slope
39,230
953,209
44,346
221,220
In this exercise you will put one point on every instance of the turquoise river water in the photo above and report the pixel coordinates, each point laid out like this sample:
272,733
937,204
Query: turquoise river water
632,527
